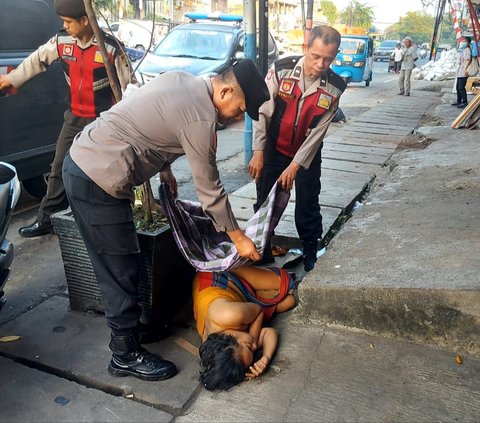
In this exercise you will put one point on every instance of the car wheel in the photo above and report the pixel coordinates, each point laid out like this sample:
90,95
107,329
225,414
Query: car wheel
36,186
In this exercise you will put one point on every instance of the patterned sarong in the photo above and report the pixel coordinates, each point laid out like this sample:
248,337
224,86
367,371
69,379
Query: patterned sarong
212,251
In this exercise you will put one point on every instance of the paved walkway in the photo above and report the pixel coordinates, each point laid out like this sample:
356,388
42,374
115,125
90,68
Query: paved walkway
352,156
56,371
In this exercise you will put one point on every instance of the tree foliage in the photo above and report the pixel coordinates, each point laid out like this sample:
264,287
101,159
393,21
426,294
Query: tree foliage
357,14
419,26
329,10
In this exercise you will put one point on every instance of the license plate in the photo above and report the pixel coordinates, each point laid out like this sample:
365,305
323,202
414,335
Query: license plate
347,58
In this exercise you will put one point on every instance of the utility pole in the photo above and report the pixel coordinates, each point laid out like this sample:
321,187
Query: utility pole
263,37
250,51
436,29
308,21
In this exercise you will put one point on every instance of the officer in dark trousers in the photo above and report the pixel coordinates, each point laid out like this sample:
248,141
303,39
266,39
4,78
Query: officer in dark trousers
173,115
89,93
288,136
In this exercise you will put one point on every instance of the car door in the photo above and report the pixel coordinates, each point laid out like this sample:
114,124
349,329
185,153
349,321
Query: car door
32,116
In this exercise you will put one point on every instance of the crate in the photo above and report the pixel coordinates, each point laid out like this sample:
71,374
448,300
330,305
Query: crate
165,276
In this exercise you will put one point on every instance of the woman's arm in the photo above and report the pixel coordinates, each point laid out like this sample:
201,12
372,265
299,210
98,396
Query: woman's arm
268,341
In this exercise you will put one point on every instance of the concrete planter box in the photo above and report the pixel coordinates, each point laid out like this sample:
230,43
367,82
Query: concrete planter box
165,276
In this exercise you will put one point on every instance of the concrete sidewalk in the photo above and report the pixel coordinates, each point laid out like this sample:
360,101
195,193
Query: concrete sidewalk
405,265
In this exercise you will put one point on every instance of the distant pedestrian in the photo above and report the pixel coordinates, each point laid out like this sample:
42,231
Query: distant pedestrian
409,55
464,60
397,58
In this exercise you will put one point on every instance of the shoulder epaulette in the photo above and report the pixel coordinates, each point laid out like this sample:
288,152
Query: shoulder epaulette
336,80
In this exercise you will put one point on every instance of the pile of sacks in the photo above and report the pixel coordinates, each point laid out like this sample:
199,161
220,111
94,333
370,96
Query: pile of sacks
440,70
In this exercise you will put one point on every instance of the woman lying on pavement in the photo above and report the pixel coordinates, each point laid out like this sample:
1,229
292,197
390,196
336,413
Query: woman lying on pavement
230,309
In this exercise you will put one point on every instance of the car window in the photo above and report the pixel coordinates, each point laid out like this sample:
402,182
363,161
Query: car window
31,27
389,44
197,43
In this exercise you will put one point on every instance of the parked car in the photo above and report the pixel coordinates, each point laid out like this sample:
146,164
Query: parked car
9,194
30,119
385,50
205,46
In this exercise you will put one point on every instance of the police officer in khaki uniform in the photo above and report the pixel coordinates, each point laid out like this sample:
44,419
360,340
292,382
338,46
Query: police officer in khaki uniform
173,115
288,136
89,93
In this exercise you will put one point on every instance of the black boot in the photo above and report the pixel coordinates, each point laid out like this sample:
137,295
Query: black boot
36,229
309,254
131,359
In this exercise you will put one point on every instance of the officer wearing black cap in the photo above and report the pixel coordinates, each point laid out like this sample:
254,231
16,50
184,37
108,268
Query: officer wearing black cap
173,115
89,93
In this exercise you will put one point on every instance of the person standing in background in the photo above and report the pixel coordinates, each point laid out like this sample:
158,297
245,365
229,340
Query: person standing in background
409,56
397,58
464,60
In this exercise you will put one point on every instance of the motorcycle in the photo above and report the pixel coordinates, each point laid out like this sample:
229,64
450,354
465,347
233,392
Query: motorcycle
9,194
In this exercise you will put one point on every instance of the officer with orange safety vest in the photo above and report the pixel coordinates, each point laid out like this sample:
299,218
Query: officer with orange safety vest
288,136
89,92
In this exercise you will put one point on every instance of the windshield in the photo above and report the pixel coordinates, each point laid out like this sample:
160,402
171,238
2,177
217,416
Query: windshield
195,43
389,44
352,46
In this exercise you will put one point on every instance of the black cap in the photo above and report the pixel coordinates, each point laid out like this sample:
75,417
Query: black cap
253,85
70,8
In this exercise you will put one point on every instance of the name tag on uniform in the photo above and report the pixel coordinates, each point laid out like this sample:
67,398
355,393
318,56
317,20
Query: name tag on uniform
98,57
324,101
68,50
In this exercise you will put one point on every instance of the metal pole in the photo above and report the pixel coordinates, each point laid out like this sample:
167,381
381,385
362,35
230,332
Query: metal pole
250,52
263,37
308,21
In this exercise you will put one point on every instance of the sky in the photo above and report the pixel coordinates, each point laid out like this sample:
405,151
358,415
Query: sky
388,12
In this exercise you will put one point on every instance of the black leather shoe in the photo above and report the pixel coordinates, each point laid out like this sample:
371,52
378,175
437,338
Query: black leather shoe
456,103
462,106
131,359
400,93
36,229
142,364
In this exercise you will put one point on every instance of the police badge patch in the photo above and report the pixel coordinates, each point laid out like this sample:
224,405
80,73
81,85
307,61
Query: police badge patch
98,57
324,101
287,86
68,50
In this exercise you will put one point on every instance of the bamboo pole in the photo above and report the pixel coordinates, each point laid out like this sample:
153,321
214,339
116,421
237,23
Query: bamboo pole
117,92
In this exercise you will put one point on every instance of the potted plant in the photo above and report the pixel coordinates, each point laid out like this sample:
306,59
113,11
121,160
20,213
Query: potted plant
165,276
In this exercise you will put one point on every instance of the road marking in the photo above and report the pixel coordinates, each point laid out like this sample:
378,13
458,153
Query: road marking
390,80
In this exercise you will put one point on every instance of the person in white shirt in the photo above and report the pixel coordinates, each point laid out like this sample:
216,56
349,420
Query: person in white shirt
397,58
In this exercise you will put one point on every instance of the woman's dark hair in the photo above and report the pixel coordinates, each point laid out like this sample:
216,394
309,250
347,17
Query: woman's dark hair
221,368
